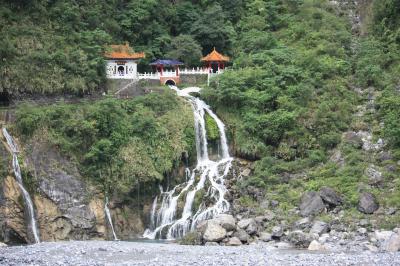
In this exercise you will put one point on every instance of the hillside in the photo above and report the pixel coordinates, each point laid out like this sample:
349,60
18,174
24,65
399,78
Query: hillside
310,105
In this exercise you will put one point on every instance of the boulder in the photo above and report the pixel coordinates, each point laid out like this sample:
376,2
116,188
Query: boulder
383,236
319,227
367,203
250,225
299,239
316,246
227,221
2,245
392,244
246,172
269,215
265,237
242,235
311,203
277,232
213,232
330,196
234,241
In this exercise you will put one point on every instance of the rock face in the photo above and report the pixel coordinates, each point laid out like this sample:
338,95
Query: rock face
311,203
367,203
213,232
319,227
66,207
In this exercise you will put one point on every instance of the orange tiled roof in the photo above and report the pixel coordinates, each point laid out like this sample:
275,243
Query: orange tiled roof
122,51
215,56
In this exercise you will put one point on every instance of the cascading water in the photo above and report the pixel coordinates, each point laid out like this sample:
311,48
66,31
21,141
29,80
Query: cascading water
209,170
27,198
108,214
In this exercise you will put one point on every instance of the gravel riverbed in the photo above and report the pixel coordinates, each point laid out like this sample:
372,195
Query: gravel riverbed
136,253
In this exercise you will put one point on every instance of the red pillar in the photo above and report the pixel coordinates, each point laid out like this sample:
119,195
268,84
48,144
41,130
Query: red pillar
177,71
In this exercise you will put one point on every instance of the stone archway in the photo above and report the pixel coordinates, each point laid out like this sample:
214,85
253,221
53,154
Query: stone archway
170,82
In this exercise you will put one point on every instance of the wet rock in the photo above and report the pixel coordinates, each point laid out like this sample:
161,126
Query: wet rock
213,232
392,244
277,232
375,177
299,239
311,203
330,196
227,221
367,203
265,237
2,245
319,227
234,241
316,246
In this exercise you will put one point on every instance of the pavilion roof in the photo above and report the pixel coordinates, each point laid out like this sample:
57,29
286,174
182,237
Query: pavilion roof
122,51
166,62
214,56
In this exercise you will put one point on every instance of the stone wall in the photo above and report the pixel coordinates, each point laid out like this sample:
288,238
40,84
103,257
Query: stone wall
193,79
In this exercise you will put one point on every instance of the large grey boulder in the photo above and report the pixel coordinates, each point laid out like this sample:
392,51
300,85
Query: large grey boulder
330,196
227,221
392,244
299,239
249,225
242,235
367,203
311,203
213,232
303,223
319,228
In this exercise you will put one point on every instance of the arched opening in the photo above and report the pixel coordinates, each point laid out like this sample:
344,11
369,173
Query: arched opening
4,98
170,82
121,70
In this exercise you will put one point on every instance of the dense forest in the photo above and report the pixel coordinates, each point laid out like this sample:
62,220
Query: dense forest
287,99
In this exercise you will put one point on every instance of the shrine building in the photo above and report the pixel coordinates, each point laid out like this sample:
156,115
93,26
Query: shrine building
122,62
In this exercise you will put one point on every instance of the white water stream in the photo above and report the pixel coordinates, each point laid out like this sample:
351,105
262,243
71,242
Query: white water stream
214,171
27,198
108,214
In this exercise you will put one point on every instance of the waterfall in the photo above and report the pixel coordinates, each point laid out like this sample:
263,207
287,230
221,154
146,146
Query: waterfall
17,172
108,214
166,224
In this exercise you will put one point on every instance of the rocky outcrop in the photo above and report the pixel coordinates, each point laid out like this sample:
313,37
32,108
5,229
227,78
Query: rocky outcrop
213,232
330,197
67,207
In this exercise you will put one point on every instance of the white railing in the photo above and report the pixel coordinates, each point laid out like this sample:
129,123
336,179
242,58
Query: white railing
185,71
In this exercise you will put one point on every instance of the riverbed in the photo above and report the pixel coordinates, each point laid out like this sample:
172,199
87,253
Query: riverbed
136,253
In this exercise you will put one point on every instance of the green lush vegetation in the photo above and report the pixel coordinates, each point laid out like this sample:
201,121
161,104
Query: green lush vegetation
57,46
287,99
291,94
117,144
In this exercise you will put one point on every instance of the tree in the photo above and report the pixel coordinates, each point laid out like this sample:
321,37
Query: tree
186,49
